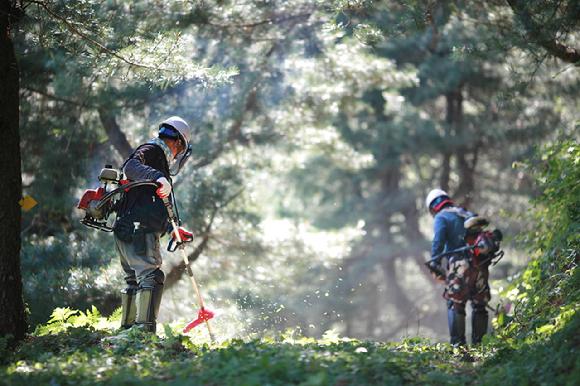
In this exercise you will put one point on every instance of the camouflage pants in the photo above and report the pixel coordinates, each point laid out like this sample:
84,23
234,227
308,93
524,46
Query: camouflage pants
465,282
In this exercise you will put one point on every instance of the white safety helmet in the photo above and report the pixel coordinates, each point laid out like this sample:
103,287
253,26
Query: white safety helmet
167,129
177,123
434,195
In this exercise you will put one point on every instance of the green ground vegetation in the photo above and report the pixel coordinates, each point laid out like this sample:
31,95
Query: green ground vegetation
64,354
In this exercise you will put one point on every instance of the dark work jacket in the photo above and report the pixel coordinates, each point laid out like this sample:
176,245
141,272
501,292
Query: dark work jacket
142,204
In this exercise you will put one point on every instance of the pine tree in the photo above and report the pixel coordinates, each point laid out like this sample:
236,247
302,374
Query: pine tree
13,316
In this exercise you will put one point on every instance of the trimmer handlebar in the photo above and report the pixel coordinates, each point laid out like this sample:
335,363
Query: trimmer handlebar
121,188
172,220
489,246
444,254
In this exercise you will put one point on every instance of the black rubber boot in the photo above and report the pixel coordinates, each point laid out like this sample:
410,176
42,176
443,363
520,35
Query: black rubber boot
128,307
148,301
478,324
456,317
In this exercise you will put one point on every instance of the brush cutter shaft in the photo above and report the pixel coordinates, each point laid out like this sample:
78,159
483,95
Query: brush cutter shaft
190,272
185,260
181,247
187,266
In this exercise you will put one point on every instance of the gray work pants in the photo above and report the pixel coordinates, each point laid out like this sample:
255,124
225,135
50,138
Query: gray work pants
138,266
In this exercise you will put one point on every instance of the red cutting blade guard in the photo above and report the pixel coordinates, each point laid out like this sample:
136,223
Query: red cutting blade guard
90,195
203,315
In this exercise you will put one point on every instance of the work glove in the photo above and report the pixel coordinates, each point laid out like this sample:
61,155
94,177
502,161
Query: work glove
437,271
165,189
185,235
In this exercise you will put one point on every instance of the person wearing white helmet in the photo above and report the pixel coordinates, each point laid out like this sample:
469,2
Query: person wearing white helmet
463,282
142,219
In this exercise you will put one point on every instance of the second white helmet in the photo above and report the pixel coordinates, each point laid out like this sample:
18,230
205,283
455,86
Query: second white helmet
434,194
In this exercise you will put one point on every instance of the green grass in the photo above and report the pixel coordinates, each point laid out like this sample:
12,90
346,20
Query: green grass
80,349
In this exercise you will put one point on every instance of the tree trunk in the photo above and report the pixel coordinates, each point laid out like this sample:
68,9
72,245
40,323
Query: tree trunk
396,293
116,136
12,311
445,170
418,245
454,130
466,170
465,152
177,270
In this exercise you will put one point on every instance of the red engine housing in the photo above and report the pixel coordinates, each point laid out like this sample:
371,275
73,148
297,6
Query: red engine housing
90,195
480,259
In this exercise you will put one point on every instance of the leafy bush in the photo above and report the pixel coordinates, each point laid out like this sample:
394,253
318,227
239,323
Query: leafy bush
553,361
546,294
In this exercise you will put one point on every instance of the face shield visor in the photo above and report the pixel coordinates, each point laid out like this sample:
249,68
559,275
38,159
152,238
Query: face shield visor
180,160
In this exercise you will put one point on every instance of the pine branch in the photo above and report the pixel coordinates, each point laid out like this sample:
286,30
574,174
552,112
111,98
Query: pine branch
234,131
180,68
279,20
94,42
537,35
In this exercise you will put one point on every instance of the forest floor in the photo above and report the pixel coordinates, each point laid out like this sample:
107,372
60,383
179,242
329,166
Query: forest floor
69,354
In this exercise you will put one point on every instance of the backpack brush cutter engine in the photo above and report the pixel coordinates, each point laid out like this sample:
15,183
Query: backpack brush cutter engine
487,246
100,203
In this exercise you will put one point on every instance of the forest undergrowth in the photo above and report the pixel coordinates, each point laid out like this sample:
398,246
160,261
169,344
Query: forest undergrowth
81,349
535,341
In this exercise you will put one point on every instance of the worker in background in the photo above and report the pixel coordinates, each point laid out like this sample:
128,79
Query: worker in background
464,280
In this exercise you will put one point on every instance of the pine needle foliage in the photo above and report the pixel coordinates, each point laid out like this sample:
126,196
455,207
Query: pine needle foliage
122,40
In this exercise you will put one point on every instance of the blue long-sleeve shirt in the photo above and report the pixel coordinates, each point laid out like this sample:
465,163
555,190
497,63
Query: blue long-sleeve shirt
449,230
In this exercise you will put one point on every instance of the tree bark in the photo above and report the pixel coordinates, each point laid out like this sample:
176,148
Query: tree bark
396,293
466,153
455,130
116,136
177,270
466,171
454,118
12,310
